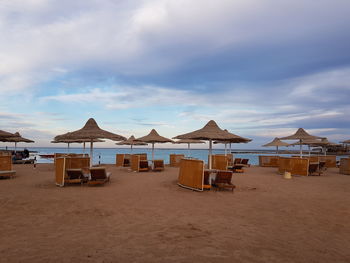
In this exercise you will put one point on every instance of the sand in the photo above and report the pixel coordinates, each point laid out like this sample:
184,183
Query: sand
146,217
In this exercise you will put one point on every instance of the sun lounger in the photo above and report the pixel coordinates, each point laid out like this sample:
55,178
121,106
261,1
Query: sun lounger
143,166
75,176
158,165
223,180
98,175
314,169
245,162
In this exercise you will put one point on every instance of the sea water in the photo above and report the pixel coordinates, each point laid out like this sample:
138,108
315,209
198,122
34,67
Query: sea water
107,155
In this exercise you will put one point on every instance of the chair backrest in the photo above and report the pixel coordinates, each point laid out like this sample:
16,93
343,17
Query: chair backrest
158,163
223,177
98,173
237,160
244,161
143,164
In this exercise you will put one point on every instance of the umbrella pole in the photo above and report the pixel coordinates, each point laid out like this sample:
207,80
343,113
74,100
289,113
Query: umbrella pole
230,147
301,149
130,148
188,150
91,154
225,149
84,148
152,155
277,149
210,150
68,147
309,150
15,146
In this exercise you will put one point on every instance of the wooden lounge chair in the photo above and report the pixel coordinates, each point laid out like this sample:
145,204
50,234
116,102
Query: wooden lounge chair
75,176
143,166
158,165
237,161
245,162
314,169
98,176
223,180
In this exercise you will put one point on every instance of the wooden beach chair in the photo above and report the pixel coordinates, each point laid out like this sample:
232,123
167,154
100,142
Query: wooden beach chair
158,165
6,167
75,176
143,166
98,176
314,169
223,180
245,162
119,160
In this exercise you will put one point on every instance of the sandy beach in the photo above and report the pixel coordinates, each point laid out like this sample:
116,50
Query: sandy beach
146,217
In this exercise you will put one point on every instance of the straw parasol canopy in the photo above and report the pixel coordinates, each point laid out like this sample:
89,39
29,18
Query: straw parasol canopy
131,141
188,141
235,139
69,141
346,142
209,132
16,138
153,137
4,134
91,131
300,135
315,142
276,142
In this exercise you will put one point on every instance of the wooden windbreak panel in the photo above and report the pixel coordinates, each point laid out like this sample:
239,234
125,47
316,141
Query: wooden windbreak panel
191,174
300,166
175,159
344,167
6,163
219,162
79,162
135,162
119,160
296,166
331,161
284,165
5,153
268,161
60,171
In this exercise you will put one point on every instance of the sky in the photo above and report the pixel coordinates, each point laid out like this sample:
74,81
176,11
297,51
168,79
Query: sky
260,69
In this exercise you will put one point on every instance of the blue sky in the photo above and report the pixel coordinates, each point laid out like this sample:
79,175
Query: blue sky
260,69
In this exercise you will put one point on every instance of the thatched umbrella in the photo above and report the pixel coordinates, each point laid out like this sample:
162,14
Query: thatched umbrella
69,141
235,139
188,141
4,134
346,142
300,135
16,138
276,142
153,137
91,131
131,141
209,132
315,142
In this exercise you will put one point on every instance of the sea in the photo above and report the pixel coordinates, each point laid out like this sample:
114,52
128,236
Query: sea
107,155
